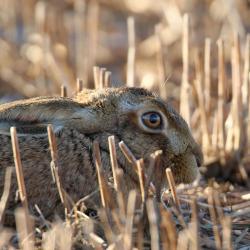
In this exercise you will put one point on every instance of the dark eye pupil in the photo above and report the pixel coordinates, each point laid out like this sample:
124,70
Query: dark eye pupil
154,118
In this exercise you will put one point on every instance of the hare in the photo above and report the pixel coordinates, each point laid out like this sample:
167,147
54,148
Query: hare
139,118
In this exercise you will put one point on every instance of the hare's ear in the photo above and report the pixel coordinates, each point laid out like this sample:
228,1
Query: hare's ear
39,130
32,116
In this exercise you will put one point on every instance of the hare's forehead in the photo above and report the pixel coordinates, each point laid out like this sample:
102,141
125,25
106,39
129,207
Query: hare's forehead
154,104
142,103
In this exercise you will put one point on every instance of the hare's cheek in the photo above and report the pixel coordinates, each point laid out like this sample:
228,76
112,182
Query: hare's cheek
185,169
132,118
177,142
192,168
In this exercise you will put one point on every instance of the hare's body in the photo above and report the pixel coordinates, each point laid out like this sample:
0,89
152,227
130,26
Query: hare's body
73,150
125,113
76,170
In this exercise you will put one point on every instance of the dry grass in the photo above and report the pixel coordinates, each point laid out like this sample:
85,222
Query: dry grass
207,80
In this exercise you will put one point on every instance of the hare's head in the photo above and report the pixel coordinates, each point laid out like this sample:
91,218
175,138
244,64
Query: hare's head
139,118
146,123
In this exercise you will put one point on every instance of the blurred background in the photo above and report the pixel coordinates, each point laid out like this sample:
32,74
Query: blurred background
46,44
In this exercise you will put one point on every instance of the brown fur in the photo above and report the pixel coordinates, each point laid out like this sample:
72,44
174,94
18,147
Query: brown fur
91,115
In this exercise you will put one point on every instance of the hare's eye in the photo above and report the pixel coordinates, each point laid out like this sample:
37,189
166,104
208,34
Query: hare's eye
152,120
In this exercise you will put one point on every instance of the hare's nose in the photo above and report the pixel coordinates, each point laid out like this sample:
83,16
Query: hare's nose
198,161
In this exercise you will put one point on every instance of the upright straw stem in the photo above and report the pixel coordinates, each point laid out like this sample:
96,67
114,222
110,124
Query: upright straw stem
185,88
131,52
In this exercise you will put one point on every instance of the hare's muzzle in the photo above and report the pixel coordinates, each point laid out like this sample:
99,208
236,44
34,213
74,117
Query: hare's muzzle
198,155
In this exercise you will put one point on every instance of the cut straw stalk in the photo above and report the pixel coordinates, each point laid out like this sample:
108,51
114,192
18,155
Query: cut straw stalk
246,92
105,216
168,230
222,89
233,132
160,63
140,234
118,220
104,191
128,234
98,242
98,164
237,101
158,175
23,221
248,123
141,175
40,17
153,166
59,237
63,91
185,88
49,239
132,159
127,153
154,225
54,167
245,85
93,15
207,72
202,107
45,222
52,143
219,210
24,229
244,174
214,219
183,240
195,226
226,233
131,52
204,122
79,85
6,192
5,238
102,77
19,169
96,73
81,42
172,187
107,79
113,158
120,194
